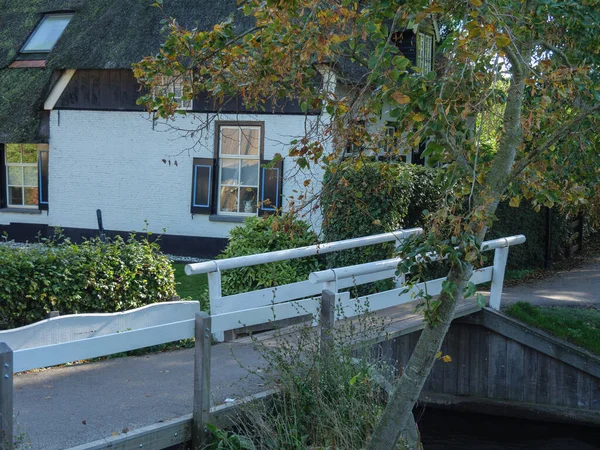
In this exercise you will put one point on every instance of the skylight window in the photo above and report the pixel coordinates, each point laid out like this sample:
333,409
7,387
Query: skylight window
47,33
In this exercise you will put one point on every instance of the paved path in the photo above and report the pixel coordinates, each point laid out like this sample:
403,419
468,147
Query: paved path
577,287
67,406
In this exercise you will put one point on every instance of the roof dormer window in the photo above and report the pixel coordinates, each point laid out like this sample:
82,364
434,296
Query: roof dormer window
47,33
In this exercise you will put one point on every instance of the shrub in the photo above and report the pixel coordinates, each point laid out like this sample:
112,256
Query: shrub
525,220
363,198
85,278
266,234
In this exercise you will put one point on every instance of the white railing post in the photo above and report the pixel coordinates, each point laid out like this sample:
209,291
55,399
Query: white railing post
215,295
6,397
500,258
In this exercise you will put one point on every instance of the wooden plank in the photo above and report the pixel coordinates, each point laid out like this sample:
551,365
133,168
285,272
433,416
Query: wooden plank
463,359
95,89
115,87
84,88
530,380
6,397
477,360
542,395
201,405
327,321
51,355
450,369
542,342
584,389
515,376
497,369
61,329
105,95
555,382
72,93
246,318
570,385
595,395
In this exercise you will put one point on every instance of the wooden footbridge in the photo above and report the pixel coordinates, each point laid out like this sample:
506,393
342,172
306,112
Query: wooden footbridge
498,366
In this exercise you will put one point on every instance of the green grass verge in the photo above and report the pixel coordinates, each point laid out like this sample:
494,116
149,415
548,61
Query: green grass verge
577,325
194,287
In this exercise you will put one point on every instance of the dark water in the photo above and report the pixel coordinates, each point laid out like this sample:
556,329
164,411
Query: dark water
448,430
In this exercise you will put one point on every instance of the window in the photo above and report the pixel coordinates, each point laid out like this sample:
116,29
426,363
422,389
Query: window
47,33
356,134
390,146
173,86
425,52
24,178
236,183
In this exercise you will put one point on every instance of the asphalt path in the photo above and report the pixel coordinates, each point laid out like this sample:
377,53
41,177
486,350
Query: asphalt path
66,406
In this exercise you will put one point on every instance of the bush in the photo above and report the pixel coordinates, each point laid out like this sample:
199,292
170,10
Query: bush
85,278
524,220
360,199
267,234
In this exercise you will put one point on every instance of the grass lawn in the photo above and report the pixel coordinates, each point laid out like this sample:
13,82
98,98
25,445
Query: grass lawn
189,286
577,325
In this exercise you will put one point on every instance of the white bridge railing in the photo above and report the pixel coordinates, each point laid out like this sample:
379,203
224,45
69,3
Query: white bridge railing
69,338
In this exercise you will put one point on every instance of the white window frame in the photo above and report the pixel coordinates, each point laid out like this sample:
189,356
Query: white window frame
171,85
22,185
238,157
424,52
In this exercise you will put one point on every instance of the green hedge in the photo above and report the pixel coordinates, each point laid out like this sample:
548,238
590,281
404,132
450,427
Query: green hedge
85,278
374,197
525,220
267,234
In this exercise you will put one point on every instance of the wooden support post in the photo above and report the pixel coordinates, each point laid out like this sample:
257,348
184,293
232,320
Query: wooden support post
327,322
201,409
214,295
6,397
500,258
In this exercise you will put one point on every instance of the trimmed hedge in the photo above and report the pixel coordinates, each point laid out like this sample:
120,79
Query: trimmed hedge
267,234
525,220
374,197
85,278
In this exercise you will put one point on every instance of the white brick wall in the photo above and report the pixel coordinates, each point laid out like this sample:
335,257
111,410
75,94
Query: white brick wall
113,161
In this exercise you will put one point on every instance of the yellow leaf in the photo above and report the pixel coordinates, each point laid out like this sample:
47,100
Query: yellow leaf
376,222
438,355
418,117
502,40
446,358
401,98
514,202
476,3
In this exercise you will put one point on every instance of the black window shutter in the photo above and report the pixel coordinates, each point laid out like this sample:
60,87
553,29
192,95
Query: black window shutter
3,187
203,174
271,186
43,179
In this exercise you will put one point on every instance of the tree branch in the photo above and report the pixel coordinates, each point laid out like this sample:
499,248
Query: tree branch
558,51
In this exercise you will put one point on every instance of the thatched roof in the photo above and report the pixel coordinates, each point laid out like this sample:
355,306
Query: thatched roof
103,34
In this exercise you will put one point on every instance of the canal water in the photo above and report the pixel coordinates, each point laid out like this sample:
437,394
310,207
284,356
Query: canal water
449,430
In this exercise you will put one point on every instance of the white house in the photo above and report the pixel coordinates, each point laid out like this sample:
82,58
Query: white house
73,140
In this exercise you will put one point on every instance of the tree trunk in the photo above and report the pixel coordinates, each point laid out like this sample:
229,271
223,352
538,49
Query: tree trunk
399,410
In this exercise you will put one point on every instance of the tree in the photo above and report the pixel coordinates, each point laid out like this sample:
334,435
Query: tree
530,68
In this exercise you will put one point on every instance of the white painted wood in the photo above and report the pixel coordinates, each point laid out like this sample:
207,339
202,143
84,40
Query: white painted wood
58,89
500,258
51,355
68,328
301,252
292,291
264,314
350,307
503,242
215,295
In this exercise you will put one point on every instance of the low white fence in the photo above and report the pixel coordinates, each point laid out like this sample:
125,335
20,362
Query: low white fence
69,338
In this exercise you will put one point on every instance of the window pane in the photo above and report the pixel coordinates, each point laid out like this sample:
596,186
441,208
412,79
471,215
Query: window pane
248,200
13,153
47,33
230,141
249,172
15,196
30,153
15,176
202,186
31,176
230,171
229,199
250,142
31,196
